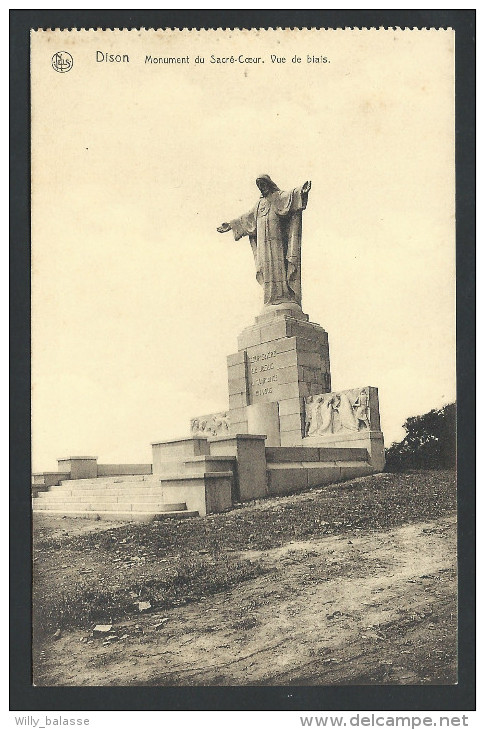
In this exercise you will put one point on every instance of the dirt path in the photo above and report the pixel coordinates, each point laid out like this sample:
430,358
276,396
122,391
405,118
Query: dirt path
377,608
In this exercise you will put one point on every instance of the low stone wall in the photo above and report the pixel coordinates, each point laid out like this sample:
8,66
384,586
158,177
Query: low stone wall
46,479
114,470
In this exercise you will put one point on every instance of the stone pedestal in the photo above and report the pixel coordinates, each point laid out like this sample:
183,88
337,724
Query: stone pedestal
169,455
79,467
264,418
281,359
249,451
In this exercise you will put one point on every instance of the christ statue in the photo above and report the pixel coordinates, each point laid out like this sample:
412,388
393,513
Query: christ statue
274,230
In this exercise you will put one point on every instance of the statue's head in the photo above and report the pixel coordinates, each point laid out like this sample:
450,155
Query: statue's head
266,185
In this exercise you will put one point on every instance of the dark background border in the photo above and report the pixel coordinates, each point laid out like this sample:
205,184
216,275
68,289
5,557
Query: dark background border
25,697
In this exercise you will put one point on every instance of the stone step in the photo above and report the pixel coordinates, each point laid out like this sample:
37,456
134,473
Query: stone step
106,504
131,516
278,454
128,491
80,500
130,479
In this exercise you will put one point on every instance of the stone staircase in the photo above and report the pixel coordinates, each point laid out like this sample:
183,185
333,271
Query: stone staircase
137,498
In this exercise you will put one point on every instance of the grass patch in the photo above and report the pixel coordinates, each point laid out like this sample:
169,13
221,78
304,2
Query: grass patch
101,576
114,597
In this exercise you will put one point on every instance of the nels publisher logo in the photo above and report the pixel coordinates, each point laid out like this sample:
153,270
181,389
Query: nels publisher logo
62,62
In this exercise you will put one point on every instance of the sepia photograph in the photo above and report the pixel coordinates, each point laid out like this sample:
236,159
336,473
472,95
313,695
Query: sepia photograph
243,357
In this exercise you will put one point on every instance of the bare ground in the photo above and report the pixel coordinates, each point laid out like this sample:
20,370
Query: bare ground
357,607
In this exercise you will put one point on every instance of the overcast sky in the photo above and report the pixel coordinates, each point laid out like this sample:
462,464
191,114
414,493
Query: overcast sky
137,300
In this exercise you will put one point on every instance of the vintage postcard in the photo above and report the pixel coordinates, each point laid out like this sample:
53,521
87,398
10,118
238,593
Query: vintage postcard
243,357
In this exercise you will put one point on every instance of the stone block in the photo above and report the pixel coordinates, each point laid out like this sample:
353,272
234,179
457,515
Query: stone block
239,428
352,472
249,337
79,467
305,389
286,375
237,414
285,344
305,344
191,491
279,311
307,329
371,441
201,465
323,474
286,480
288,390
287,359
163,467
342,454
270,353
237,385
304,374
237,401
291,422
251,463
275,331
237,358
236,371
49,478
292,405
177,450
310,359
375,421
218,494
188,489
291,454
291,438
123,469
263,418
251,469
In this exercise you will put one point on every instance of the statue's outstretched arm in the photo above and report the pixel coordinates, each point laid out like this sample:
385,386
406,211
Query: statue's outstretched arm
245,225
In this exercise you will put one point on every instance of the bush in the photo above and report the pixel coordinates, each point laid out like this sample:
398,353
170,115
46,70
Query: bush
430,442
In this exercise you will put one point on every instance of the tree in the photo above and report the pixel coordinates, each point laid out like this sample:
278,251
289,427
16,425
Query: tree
430,442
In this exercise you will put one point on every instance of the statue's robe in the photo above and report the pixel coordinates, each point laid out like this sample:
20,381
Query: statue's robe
274,230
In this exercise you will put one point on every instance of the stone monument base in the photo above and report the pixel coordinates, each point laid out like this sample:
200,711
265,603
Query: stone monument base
284,431
281,359
192,477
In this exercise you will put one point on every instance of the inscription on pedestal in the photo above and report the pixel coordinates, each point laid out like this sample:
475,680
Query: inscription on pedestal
267,369
261,373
